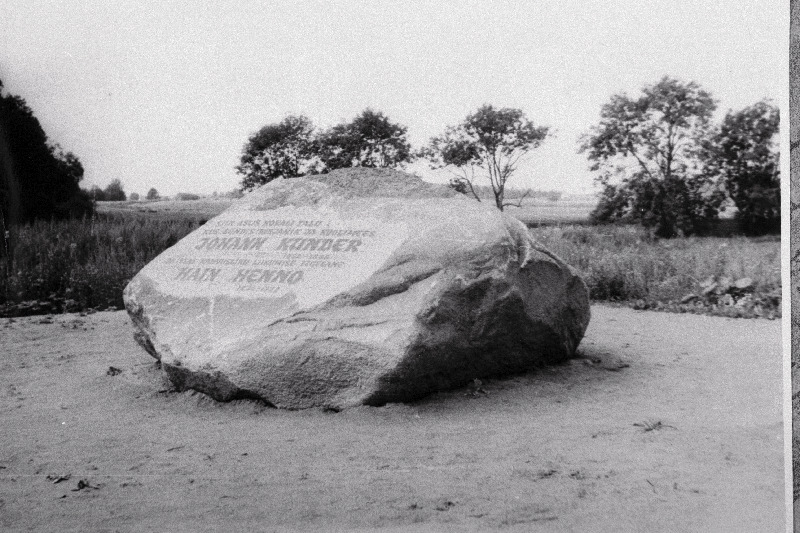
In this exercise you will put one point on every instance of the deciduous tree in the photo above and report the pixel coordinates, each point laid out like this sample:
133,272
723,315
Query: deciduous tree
743,153
282,150
369,140
114,192
39,180
97,194
647,151
488,143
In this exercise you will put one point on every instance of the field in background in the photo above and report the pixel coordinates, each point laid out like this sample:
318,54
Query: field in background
203,208
81,265
533,211
695,274
567,210
84,265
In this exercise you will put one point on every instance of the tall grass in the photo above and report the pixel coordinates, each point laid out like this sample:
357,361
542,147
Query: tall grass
84,264
81,264
622,263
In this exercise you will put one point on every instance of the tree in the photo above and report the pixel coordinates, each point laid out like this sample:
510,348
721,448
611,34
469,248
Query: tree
39,180
152,194
369,140
114,192
743,154
491,141
282,150
648,153
134,197
97,194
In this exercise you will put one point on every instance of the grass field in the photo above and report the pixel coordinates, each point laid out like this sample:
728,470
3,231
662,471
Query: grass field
203,208
535,213
82,265
623,264
79,265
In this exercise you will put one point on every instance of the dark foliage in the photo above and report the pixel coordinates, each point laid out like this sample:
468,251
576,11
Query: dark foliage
39,180
648,152
743,154
186,196
369,140
282,150
292,148
114,192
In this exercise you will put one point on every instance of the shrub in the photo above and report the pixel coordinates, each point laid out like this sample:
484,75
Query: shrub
114,192
184,196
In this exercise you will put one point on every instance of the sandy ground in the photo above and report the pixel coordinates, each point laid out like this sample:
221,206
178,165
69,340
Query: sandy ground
666,423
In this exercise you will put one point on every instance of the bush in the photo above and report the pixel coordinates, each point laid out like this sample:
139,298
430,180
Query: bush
114,192
184,196
97,194
744,156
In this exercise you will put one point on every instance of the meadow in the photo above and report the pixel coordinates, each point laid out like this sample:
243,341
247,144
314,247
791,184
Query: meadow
541,212
727,276
83,265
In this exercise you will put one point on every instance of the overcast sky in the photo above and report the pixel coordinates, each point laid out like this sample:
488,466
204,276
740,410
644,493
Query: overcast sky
165,94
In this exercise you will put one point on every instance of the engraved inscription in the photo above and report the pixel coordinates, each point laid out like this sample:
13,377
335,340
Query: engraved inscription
310,254
321,245
197,274
268,276
231,243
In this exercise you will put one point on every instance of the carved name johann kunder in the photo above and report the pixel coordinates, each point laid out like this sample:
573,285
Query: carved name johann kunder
258,252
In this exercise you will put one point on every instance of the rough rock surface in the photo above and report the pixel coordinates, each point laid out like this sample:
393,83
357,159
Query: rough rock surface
354,287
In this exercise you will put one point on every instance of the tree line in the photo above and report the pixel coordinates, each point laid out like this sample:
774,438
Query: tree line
39,179
658,157
661,162
115,192
490,139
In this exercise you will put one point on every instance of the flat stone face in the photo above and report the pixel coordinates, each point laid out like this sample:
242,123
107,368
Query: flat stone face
359,286
296,255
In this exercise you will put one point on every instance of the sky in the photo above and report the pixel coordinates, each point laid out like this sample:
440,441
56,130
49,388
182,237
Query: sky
165,94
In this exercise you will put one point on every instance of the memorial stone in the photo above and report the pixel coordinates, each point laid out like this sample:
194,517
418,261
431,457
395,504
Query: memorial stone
361,286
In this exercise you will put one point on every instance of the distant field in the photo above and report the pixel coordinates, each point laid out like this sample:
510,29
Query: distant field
203,208
532,213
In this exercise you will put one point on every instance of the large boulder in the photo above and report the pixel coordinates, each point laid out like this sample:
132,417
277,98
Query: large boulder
354,287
